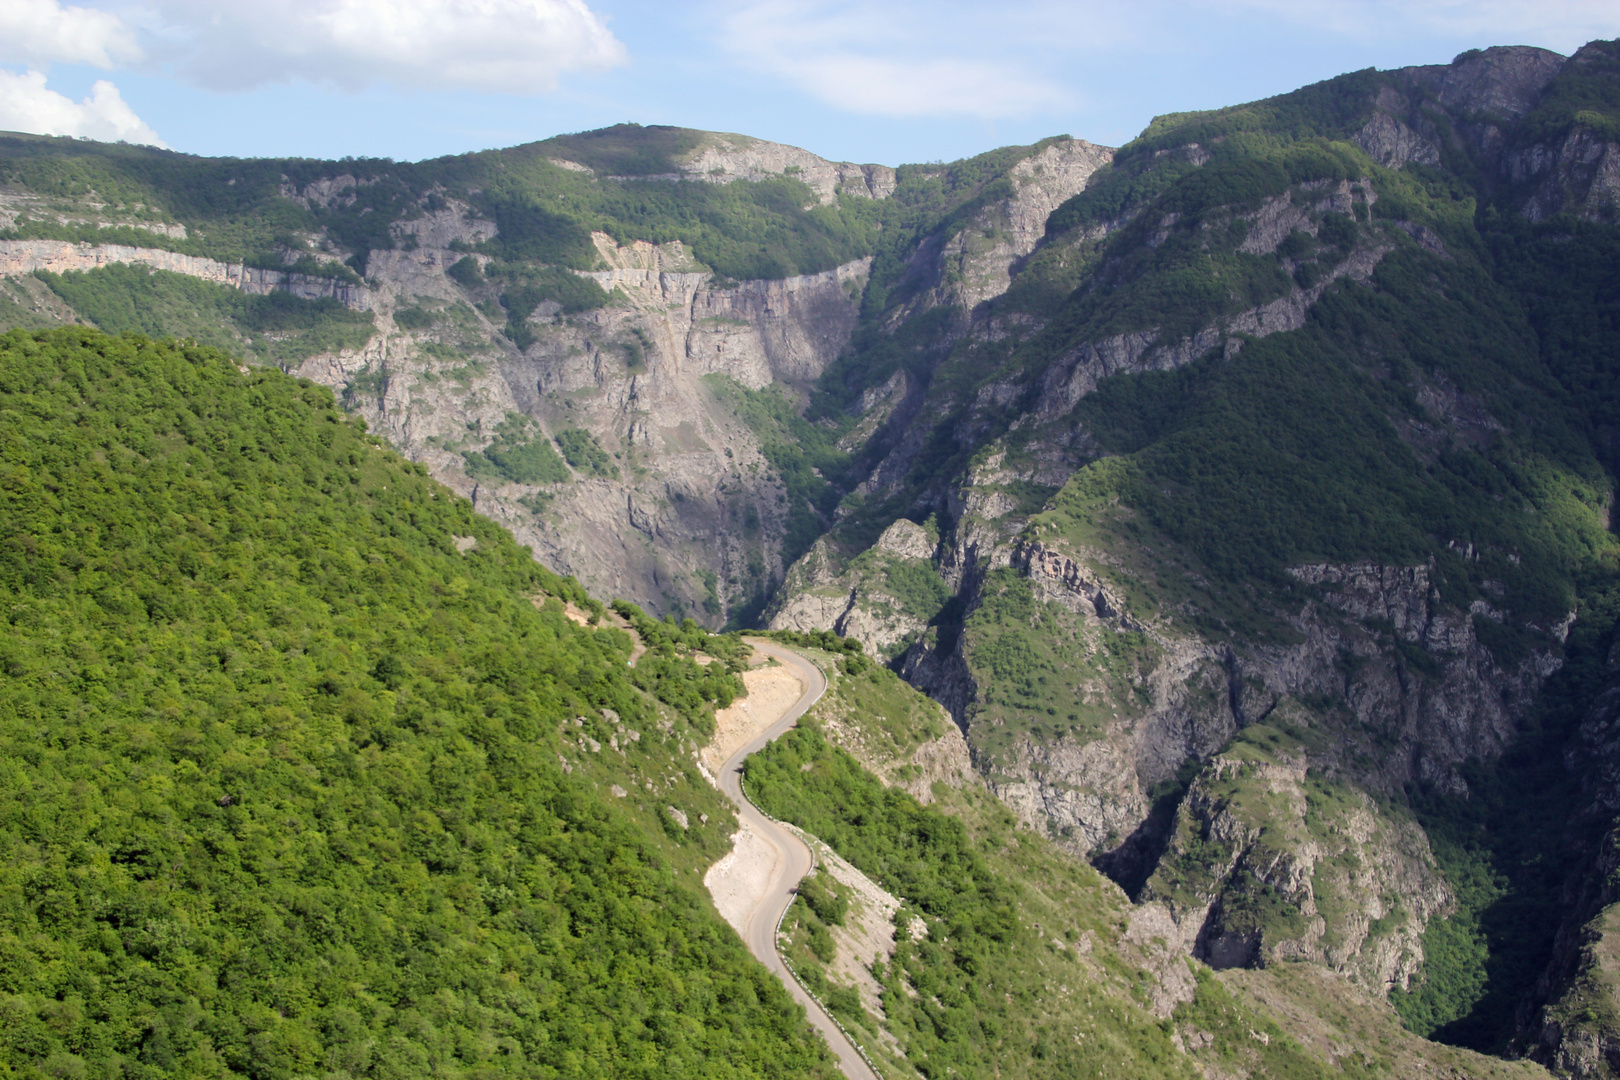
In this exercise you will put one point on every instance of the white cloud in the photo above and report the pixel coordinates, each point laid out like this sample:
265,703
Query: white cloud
26,104
38,32
494,46
901,60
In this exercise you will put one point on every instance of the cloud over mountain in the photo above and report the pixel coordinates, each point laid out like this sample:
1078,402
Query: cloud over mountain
492,46
27,104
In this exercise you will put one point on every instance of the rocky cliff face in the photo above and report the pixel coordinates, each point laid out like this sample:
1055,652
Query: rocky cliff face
1281,846
1300,211
1568,164
975,262
1579,174
1270,863
19,257
881,599
693,519
724,158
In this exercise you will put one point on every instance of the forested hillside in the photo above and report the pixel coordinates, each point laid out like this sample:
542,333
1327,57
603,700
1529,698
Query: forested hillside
304,763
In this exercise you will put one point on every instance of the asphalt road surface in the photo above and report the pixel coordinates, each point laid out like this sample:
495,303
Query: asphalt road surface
795,862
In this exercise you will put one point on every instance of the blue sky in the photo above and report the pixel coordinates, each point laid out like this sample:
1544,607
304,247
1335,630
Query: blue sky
891,81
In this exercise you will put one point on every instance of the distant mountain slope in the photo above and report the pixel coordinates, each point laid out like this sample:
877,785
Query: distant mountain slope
318,216
593,284
1243,528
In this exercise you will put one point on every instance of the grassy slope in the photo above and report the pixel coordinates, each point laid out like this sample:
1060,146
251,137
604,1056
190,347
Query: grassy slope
297,787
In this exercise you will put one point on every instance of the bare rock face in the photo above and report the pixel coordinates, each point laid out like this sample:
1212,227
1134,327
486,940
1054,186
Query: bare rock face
865,599
1077,373
1465,704
1310,866
328,191
978,261
907,540
1580,174
692,520
1505,81
1575,172
1416,695
1390,142
1072,584
1270,863
724,157
438,229
19,257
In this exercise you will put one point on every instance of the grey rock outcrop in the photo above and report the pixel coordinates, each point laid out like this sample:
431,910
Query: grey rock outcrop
18,257
1575,171
862,600
978,260
1343,884
1077,373
724,158
1390,142
1579,174
694,519
1503,82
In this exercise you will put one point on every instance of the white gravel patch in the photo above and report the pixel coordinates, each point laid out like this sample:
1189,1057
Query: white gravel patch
740,878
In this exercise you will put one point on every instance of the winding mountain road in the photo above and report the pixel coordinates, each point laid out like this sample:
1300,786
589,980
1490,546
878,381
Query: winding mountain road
795,861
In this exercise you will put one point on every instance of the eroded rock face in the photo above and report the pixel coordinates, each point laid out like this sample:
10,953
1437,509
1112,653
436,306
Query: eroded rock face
978,261
1390,142
1504,81
1579,174
19,257
1078,372
1270,863
1576,172
1359,885
861,600
1310,866
694,518
725,157
454,222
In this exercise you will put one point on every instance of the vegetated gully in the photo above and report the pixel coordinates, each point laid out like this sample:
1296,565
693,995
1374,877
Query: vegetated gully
793,864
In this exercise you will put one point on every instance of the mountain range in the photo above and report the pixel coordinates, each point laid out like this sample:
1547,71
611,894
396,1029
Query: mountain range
1224,520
